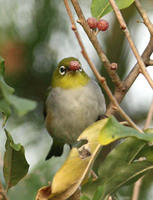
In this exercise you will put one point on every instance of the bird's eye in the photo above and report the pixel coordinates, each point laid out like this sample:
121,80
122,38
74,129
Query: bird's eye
80,69
62,70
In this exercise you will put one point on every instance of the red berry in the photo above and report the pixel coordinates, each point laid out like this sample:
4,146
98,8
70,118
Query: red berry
92,22
102,25
74,65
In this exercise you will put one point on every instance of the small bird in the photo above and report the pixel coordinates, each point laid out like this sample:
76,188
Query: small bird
74,102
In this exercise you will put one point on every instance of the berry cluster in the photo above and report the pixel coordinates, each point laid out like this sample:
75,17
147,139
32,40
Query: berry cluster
101,25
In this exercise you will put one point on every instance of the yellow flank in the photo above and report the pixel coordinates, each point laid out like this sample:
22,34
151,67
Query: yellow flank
69,80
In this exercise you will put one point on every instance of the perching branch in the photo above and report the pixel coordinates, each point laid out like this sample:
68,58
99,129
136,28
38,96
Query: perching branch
121,87
149,62
92,37
131,43
97,74
145,17
127,83
117,106
135,70
83,50
119,93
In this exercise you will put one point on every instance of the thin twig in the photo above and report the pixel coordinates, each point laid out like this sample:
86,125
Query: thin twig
83,51
119,93
149,117
131,43
97,74
110,198
149,62
137,185
145,17
103,82
92,37
136,189
135,70
74,28
131,76
117,106
2,193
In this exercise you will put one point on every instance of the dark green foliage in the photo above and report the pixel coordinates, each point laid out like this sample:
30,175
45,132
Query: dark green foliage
15,164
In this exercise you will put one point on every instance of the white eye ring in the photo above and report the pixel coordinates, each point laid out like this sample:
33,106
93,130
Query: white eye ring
62,70
80,69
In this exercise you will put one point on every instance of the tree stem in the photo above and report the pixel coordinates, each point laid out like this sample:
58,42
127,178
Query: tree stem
92,66
145,17
131,43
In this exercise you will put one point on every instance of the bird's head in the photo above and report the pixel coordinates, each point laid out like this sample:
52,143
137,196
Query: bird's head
69,74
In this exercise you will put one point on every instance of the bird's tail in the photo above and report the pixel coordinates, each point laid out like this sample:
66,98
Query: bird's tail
55,150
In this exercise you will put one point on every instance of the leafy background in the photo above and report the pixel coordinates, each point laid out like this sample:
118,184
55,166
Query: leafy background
34,36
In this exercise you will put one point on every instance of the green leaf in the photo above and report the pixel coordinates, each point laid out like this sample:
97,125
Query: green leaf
120,166
4,107
5,110
98,193
99,8
124,153
15,164
146,153
149,130
147,187
41,174
125,192
123,175
6,89
116,165
112,131
2,66
84,198
21,105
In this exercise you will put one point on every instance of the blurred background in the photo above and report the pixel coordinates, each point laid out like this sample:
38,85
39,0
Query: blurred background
34,36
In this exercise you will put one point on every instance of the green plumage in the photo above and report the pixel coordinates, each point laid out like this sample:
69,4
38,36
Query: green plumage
69,80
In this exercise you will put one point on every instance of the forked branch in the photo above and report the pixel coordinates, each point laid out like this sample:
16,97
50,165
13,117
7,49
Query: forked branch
92,37
145,17
131,43
97,74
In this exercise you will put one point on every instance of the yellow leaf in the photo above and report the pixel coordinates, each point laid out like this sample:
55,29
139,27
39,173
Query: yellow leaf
43,193
77,166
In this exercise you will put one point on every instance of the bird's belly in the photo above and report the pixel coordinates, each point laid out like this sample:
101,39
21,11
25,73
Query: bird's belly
68,124
71,112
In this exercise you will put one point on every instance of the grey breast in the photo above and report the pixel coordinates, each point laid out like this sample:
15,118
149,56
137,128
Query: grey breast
74,109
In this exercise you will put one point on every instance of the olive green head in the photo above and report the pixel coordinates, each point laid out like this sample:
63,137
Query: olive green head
69,74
